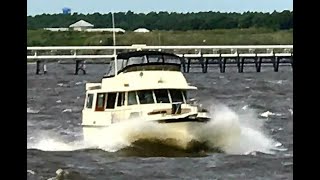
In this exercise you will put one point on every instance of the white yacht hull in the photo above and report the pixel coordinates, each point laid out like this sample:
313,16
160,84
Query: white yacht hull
166,128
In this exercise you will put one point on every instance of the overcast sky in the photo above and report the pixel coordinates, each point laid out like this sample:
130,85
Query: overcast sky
145,6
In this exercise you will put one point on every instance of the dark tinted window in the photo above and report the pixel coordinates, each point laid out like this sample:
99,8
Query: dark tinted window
100,101
162,96
145,97
176,95
111,99
132,99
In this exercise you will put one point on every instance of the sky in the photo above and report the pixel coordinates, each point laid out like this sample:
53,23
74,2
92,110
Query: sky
35,7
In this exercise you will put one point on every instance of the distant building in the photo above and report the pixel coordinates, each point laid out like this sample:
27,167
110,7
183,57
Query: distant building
81,26
142,30
117,30
56,29
85,26
66,10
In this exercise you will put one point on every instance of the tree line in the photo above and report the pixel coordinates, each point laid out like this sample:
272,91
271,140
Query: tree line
169,21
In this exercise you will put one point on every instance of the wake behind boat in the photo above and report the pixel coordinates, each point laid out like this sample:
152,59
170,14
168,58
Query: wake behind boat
143,86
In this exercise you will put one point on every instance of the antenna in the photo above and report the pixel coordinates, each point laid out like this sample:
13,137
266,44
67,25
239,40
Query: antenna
114,44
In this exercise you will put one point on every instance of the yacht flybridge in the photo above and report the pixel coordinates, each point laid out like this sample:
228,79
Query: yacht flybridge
141,86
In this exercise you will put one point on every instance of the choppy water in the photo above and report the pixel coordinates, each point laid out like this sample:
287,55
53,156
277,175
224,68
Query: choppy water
250,138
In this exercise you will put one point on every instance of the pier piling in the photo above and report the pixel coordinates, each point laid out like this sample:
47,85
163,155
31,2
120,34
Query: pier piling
80,65
258,61
188,66
183,62
38,67
222,64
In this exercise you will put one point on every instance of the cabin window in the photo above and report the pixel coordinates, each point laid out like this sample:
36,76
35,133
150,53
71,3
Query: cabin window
135,60
132,98
89,101
162,96
145,97
100,101
111,100
172,59
176,95
120,99
155,59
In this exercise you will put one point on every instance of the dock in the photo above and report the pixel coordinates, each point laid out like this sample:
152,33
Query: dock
191,56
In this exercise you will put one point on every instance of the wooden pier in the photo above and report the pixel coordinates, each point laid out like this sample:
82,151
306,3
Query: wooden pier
204,56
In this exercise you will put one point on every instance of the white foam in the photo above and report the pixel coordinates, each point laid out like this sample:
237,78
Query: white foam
67,110
31,172
245,107
233,133
123,134
279,149
277,82
277,144
56,144
287,163
267,114
288,155
236,133
32,111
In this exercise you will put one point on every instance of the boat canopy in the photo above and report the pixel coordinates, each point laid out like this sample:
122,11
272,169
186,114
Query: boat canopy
144,60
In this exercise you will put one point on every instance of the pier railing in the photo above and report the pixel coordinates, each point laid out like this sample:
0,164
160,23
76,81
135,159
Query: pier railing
203,55
106,52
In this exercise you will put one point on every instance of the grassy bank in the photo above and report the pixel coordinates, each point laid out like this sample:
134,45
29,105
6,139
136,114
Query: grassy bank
203,37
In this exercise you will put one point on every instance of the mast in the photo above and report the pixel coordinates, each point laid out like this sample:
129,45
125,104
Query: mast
114,45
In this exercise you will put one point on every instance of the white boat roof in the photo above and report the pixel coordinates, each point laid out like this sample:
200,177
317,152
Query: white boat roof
145,60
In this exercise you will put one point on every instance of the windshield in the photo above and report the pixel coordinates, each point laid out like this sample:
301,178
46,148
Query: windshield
143,60
111,68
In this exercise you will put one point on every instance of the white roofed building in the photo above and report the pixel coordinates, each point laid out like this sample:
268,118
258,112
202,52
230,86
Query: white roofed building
116,30
56,29
142,30
81,25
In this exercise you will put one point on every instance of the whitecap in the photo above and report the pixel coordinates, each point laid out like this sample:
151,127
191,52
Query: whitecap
67,110
31,172
277,144
287,163
245,107
267,114
32,111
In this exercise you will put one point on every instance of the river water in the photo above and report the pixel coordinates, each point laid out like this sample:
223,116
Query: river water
251,136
